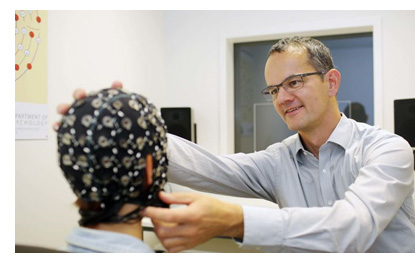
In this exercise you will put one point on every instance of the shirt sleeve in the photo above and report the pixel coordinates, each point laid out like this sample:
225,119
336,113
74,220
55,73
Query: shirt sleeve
352,224
240,175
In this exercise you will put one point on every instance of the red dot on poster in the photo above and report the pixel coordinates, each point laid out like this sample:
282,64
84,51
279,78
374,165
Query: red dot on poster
29,66
16,67
31,34
38,19
16,17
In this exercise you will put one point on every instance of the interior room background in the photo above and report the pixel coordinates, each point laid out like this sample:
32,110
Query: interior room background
175,58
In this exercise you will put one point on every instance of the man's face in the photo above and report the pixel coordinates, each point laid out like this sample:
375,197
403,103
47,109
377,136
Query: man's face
302,110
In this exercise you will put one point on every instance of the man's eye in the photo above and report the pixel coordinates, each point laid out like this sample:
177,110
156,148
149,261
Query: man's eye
273,91
294,83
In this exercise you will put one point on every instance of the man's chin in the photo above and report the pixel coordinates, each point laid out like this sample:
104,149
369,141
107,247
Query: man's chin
292,126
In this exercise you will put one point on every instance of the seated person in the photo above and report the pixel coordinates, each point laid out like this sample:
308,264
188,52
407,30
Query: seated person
112,151
357,113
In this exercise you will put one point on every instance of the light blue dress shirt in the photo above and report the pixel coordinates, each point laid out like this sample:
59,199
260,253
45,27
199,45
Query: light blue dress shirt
90,240
357,197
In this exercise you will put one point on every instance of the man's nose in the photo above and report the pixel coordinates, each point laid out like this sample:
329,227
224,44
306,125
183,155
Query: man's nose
283,96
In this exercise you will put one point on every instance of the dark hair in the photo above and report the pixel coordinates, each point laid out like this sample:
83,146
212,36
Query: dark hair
319,56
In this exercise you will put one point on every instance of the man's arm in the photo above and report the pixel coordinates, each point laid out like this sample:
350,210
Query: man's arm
241,175
373,203
203,218
352,224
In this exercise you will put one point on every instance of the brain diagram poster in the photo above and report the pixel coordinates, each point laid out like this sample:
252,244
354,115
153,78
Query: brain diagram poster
31,109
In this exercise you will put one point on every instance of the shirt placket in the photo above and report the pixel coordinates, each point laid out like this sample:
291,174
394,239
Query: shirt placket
326,176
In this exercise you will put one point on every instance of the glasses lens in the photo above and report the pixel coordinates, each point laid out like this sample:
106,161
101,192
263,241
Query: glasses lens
293,84
268,97
266,94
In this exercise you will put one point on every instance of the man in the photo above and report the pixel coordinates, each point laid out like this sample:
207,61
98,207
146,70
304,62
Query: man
112,151
342,186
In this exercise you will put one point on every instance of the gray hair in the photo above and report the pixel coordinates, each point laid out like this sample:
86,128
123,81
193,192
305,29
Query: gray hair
319,56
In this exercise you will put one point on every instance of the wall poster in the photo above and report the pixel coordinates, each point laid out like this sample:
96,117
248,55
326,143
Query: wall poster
31,109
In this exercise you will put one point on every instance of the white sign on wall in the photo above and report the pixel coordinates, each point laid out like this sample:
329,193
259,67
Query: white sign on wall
31,121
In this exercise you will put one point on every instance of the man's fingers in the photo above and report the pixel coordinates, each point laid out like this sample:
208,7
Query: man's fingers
160,214
169,230
171,215
79,93
176,249
63,108
178,215
117,85
175,244
177,197
56,126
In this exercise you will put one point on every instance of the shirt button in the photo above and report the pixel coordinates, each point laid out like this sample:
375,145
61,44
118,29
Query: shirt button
324,170
330,202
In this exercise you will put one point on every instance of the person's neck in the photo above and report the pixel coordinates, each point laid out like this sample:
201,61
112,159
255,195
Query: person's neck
131,228
134,229
314,138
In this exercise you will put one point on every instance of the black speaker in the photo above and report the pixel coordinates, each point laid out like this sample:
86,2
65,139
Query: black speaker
405,119
179,122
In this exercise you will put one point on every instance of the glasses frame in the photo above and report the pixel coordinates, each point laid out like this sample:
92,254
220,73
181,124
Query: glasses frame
266,92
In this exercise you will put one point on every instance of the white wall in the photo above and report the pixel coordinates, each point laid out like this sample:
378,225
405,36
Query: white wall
173,57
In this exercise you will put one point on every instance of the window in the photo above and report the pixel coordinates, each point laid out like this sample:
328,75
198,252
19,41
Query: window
258,125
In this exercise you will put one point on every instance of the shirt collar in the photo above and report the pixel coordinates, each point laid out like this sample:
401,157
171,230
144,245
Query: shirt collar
341,136
342,133
298,145
105,241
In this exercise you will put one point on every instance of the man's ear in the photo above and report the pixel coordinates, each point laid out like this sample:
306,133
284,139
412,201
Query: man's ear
334,78
149,169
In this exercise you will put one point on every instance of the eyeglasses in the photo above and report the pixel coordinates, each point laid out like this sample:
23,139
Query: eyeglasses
290,84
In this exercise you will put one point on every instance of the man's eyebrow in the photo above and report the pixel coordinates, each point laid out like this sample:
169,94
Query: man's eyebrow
292,75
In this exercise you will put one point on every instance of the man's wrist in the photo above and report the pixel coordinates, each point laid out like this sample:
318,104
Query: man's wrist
235,222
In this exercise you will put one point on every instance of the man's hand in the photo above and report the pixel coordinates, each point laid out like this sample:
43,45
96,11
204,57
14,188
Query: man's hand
203,218
79,94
